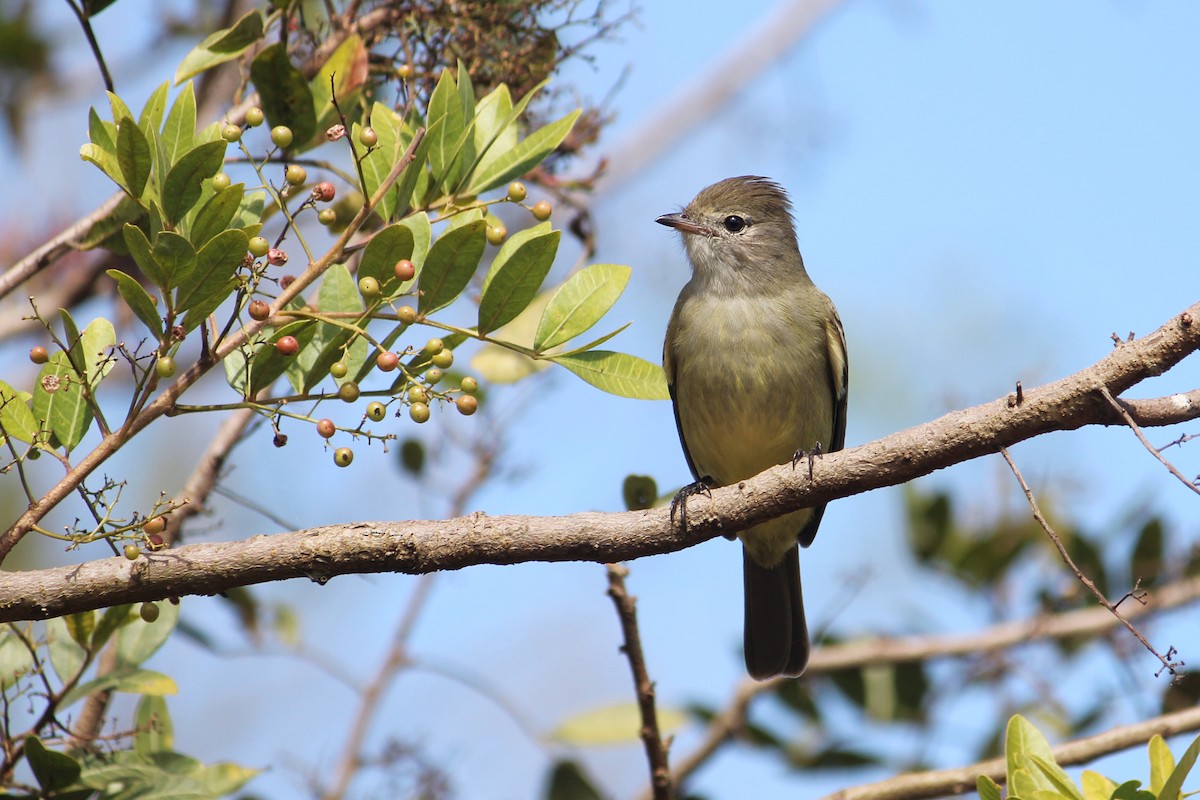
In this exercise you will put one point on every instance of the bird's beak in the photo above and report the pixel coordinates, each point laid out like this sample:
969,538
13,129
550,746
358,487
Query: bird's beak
682,224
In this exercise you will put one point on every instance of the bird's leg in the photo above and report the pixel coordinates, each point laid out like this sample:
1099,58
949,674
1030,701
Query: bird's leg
679,501
811,455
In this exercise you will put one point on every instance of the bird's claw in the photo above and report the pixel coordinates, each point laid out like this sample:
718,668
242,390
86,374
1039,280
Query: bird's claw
679,501
811,455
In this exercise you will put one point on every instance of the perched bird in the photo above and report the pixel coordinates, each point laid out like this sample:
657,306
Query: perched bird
755,358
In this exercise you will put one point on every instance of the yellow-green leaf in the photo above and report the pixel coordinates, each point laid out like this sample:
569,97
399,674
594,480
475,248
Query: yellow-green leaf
518,160
133,156
181,188
580,303
123,679
139,640
516,275
618,373
616,724
15,416
139,301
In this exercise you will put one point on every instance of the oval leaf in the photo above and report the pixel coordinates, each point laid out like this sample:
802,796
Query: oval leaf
133,156
123,679
139,301
139,640
525,156
618,373
283,92
15,415
393,243
59,403
181,188
213,278
516,275
580,303
452,261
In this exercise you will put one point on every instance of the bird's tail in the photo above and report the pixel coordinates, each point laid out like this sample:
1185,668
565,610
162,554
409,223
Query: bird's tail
776,636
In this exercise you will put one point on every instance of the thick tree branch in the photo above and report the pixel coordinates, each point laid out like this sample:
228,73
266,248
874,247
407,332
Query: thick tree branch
961,780
426,546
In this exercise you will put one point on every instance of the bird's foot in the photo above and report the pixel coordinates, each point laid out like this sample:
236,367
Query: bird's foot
810,455
679,501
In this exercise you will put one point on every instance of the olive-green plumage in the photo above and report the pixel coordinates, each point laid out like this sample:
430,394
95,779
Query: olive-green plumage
755,359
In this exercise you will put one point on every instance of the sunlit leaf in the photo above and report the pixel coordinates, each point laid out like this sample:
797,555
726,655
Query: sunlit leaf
122,679
15,415
15,659
516,275
580,303
152,721
133,156
181,188
338,294
618,373
179,130
59,402
139,640
518,160
452,261
616,724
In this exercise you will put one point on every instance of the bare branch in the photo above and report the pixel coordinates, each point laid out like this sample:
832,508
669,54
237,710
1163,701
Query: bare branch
961,780
651,736
427,546
1154,451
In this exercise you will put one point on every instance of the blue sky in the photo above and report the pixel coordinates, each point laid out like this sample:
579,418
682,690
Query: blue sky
985,191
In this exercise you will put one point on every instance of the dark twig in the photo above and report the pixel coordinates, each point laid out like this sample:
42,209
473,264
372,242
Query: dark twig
651,736
86,23
1168,665
1137,431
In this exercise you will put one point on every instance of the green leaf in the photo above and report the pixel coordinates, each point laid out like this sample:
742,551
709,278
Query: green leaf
155,732
618,373
181,188
343,72
15,659
1053,774
143,256
446,128
102,133
64,411
133,156
179,131
516,275
378,163
216,214
152,113
504,136
393,243
139,301
422,232
139,640
1172,788
284,93
1096,786
221,46
614,724
110,622
338,295
267,364
525,156
490,115
123,679
1021,738
213,278
580,303
80,626
415,177
118,107
66,654
988,788
568,781
93,350
52,769
176,256
452,261
1162,763
15,416
105,160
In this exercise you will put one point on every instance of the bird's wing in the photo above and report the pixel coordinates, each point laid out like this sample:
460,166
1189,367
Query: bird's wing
669,369
839,377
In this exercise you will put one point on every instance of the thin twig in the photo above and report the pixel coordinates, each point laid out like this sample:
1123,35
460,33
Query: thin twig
1137,431
86,23
1168,665
651,736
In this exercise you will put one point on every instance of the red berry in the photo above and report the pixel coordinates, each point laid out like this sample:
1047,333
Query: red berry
324,191
155,526
405,269
287,346
325,428
259,310
276,257
387,361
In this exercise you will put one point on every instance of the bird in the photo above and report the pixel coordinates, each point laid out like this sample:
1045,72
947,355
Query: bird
756,364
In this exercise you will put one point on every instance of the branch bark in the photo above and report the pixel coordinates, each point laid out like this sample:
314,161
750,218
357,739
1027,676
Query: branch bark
426,546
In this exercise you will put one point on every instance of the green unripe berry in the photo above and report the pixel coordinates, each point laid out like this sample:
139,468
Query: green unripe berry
368,287
327,216
405,71
434,346
259,246
368,137
338,369
254,116
165,366
132,551
406,314
326,429
433,376
466,404
376,411
295,174
496,234
343,456
419,412
148,611
469,385
221,181
541,211
231,133
418,394
281,136
516,191
348,391
443,359
39,355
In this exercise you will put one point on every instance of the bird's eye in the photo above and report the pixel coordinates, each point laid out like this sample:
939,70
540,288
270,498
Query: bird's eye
734,223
